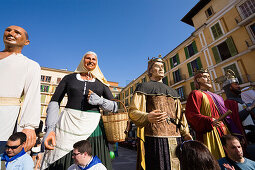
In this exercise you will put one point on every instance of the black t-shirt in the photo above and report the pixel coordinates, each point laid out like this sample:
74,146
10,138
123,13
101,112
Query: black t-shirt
77,92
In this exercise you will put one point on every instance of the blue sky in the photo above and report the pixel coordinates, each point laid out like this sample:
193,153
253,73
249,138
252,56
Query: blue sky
123,33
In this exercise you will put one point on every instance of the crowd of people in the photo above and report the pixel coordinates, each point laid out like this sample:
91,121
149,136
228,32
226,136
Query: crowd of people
223,132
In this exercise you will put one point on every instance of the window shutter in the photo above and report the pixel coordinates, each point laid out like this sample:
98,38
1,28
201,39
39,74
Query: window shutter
231,46
192,85
190,69
194,47
186,52
199,63
177,58
171,62
165,80
216,54
165,67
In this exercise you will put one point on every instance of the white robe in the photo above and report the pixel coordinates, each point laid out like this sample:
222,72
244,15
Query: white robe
19,76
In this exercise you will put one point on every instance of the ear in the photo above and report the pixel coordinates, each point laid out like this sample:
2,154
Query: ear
27,42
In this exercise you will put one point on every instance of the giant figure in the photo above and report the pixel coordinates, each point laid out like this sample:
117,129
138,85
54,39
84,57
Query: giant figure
20,76
156,110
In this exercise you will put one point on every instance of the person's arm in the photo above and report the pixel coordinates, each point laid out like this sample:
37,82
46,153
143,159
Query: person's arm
200,123
137,110
31,108
104,102
180,118
53,114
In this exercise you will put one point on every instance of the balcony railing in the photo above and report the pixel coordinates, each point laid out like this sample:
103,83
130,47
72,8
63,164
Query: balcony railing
250,44
243,19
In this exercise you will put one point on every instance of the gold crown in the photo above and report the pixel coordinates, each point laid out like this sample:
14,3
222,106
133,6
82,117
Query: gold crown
154,59
200,71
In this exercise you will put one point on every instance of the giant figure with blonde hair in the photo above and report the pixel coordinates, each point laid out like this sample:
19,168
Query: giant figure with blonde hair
87,92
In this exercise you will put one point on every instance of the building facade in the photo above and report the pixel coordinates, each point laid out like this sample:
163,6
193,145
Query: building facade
224,38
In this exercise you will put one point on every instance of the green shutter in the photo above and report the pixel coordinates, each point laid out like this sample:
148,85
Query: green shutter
192,85
199,63
186,52
166,80
177,58
231,46
171,62
190,69
216,54
165,67
194,47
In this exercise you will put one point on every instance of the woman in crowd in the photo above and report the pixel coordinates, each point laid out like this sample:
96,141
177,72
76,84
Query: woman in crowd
87,91
194,155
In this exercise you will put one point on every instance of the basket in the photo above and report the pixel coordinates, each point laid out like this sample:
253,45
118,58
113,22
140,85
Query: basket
115,125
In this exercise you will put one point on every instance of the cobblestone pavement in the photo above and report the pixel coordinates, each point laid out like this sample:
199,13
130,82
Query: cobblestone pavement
126,160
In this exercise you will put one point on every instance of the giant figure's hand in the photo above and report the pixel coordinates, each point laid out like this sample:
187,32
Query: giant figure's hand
31,138
50,141
216,123
156,116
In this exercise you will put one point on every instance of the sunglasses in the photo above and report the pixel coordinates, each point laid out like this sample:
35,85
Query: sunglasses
12,147
75,154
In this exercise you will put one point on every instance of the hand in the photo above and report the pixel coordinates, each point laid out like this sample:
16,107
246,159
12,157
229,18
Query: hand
187,137
50,141
31,138
156,116
216,123
228,167
90,92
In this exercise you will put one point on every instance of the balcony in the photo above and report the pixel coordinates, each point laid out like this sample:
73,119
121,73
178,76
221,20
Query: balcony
243,19
250,44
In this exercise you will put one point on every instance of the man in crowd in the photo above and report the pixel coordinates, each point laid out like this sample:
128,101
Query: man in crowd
234,158
82,155
241,113
203,109
19,76
156,110
15,156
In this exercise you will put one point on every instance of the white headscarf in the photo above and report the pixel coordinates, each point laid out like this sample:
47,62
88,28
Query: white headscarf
96,72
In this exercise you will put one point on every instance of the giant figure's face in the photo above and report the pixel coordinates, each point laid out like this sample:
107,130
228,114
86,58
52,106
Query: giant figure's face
205,81
157,70
15,36
90,62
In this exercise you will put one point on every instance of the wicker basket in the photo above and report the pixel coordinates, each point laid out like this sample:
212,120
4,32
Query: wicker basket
115,125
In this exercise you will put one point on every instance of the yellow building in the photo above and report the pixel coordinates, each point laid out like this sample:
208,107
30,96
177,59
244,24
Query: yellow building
224,38
50,79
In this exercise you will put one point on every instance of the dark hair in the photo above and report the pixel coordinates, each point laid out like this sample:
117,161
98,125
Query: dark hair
83,146
18,135
194,155
226,138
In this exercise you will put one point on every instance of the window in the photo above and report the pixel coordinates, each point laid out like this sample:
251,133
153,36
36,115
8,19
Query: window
252,29
131,89
144,79
136,84
235,70
174,61
165,80
247,8
194,65
126,93
209,12
45,78
190,50
180,91
126,102
58,80
224,50
216,31
177,76
44,88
